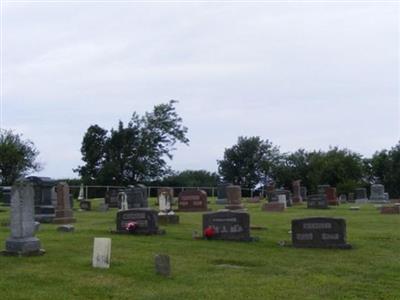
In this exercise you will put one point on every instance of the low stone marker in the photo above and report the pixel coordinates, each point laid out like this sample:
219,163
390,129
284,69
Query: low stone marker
354,208
227,225
66,228
393,209
101,253
162,265
192,201
319,232
22,240
274,206
317,201
138,221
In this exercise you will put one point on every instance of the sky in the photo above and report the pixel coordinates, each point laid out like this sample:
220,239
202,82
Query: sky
302,75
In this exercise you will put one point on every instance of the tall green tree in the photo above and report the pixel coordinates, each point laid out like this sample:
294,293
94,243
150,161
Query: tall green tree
190,178
17,157
135,152
249,162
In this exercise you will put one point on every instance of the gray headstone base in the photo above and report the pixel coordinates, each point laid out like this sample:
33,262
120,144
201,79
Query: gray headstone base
24,246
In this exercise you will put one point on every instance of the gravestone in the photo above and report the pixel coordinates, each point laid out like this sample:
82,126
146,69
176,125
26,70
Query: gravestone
221,194
192,200
138,221
392,209
162,265
45,198
227,225
137,196
166,215
321,188
81,195
331,196
350,198
386,196
361,195
169,191
234,197
103,207
343,198
317,201
274,196
319,232
6,195
101,253
377,193
66,228
123,201
85,205
64,214
303,192
274,206
111,198
296,191
22,240
282,199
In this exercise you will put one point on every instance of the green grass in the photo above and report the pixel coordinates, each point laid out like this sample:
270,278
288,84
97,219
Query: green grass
210,269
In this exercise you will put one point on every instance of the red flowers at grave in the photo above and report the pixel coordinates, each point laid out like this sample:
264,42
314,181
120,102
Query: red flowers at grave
131,226
209,232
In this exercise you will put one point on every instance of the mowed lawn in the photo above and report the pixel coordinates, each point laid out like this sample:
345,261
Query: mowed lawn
210,269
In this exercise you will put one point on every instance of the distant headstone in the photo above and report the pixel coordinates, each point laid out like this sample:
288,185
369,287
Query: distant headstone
221,194
6,195
162,265
138,221
296,191
234,197
274,206
274,196
377,193
343,198
103,207
64,214
392,209
66,228
169,191
45,198
85,205
303,192
361,195
282,199
81,195
123,201
227,225
319,232
317,201
22,240
321,188
166,215
137,196
101,253
350,198
386,196
331,196
192,200
111,198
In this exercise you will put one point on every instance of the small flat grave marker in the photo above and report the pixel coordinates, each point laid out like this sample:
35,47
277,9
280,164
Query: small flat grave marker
162,265
274,207
319,232
390,210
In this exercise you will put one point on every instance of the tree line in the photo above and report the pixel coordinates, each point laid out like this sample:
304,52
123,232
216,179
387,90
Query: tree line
139,151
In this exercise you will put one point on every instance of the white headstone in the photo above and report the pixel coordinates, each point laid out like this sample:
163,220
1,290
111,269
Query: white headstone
81,195
124,201
282,199
101,253
164,203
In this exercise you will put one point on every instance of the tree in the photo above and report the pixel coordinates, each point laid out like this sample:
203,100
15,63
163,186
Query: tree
17,157
133,153
249,162
190,178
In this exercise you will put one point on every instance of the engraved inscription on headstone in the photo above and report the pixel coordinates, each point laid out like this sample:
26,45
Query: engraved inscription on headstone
137,221
227,225
319,232
192,200
101,253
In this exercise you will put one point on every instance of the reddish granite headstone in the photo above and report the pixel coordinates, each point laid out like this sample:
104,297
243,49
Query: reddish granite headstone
273,207
395,209
331,196
192,200
296,191
234,197
64,214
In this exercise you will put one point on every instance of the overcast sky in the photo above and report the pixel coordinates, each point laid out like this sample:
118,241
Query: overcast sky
301,75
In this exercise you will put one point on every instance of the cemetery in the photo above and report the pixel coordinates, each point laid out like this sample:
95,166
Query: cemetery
313,253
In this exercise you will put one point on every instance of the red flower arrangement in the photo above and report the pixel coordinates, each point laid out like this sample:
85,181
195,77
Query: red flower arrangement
209,232
131,226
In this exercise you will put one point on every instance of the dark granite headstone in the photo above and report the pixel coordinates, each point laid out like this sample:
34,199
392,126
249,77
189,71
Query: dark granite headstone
85,205
6,195
303,192
137,196
319,232
45,198
227,225
221,194
361,195
138,221
192,200
317,201
111,198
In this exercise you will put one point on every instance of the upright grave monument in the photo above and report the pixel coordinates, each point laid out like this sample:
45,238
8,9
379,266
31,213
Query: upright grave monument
169,191
227,225
22,240
319,232
221,194
6,195
303,192
361,195
192,201
317,201
166,215
64,214
377,193
331,196
138,221
234,197
296,185
111,198
137,196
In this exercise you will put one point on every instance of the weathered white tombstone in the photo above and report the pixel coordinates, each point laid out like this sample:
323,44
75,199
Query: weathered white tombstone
81,195
22,240
282,199
124,201
377,193
166,215
101,253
